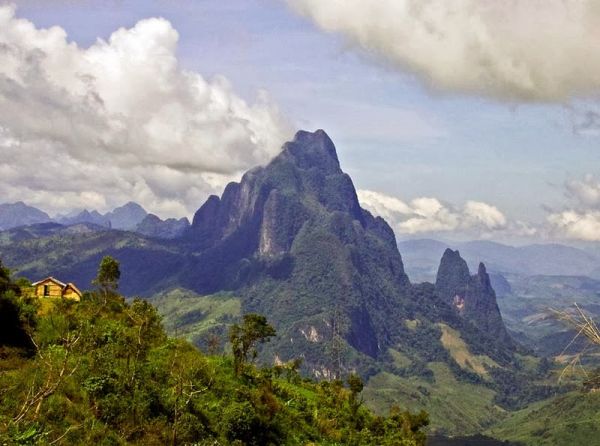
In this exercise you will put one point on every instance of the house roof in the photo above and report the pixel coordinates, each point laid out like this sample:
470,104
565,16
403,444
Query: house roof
73,287
51,279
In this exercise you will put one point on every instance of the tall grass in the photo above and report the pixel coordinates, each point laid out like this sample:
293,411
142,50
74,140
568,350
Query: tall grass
584,326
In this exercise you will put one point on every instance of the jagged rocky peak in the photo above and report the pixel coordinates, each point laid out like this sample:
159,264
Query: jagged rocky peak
273,197
471,296
484,278
313,150
297,221
453,275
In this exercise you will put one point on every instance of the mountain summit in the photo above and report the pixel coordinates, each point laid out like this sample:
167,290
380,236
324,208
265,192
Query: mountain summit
294,239
18,214
471,296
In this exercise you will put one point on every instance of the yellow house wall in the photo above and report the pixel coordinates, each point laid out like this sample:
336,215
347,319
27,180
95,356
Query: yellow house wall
70,294
53,291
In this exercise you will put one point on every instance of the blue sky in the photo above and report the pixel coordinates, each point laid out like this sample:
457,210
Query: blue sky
394,134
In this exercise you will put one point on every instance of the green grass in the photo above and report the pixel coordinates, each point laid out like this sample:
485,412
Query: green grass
459,351
570,419
400,359
191,316
454,407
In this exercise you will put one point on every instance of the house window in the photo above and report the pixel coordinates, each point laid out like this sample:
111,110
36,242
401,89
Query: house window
46,290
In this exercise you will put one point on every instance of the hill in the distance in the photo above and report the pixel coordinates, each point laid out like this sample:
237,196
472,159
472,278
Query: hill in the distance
20,214
422,255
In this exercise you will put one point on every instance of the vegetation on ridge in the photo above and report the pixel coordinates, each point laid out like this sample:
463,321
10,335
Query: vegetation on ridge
103,371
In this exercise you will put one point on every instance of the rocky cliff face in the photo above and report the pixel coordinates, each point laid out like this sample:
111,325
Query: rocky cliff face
472,296
293,237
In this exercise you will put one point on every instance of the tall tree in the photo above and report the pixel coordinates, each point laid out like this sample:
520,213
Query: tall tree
108,276
254,329
12,326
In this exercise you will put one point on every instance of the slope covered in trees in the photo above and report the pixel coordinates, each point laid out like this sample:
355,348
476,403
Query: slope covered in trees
104,372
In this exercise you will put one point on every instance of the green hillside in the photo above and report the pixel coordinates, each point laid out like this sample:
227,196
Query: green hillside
454,406
570,419
104,372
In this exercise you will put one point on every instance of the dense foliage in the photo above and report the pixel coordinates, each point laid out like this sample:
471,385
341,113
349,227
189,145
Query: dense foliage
104,372
14,317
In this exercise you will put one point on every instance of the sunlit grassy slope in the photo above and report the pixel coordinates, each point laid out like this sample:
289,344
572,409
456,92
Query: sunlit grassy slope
454,406
193,317
570,419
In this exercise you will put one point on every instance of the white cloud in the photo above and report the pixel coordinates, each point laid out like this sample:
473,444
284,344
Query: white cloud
120,120
427,215
534,50
585,191
577,225
581,220
478,213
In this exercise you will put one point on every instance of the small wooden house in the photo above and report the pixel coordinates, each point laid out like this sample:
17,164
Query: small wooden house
53,288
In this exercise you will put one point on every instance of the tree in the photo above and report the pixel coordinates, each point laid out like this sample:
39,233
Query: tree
108,276
6,284
356,385
255,329
13,318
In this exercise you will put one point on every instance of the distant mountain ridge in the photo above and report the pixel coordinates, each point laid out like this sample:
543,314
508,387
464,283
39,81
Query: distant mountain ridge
129,217
85,216
125,217
422,256
20,214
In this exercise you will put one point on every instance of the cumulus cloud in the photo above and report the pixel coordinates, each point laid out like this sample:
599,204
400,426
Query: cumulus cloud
532,50
120,120
577,225
585,191
428,215
582,219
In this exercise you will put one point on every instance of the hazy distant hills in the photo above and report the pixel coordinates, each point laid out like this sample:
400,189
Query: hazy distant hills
129,217
422,258
20,214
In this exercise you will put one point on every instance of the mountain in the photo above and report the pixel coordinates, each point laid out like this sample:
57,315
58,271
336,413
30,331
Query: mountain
153,226
20,214
292,237
471,295
126,217
85,216
422,256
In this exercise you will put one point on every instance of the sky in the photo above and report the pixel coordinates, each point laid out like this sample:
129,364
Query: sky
466,119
